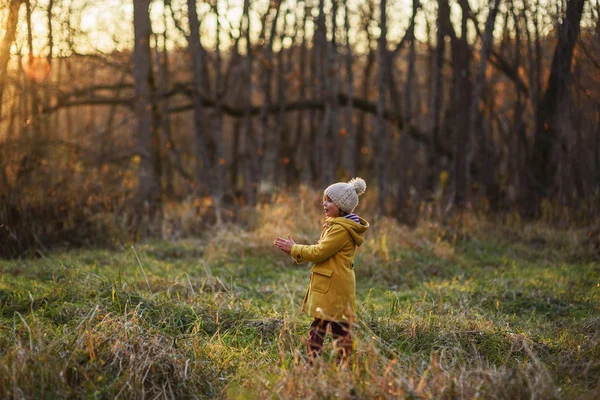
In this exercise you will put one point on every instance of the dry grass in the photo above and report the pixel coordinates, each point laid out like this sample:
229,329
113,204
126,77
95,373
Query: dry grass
374,376
107,355
460,309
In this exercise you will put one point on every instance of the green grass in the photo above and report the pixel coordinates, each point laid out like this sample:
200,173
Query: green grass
491,315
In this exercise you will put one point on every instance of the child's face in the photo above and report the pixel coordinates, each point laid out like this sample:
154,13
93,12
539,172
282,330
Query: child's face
331,210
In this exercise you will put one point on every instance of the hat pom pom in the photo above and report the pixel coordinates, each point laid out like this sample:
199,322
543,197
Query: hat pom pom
359,185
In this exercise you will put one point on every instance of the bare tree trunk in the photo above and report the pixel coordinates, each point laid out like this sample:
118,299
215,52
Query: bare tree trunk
461,99
520,146
323,63
361,136
534,62
539,56
33,157
162,62
296,162
437,96
155,141
236,134
249,149
7,160
541,167
281,143
463,92
579,162
7,41
218,188
203,170
24,114
50,32
148,191
350,126
332,87
162,110
50,122
474,114
266,138
381,140
410,75
314,143
421,165
359,156
401,180
514,136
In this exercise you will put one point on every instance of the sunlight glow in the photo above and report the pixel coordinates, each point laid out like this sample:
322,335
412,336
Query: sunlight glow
84,26
36,68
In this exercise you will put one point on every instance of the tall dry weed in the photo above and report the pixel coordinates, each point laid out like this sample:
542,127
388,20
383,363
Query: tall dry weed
110,356
373,375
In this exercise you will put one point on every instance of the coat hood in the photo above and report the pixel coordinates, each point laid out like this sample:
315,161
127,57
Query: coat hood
355,229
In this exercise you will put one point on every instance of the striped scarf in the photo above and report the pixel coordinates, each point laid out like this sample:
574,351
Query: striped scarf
352,217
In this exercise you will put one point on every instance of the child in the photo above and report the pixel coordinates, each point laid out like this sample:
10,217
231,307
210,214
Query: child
331,294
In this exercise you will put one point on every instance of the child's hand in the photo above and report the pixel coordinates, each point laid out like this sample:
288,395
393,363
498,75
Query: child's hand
285,245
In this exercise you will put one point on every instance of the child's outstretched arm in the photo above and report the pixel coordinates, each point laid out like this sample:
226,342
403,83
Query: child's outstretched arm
285,245
331,243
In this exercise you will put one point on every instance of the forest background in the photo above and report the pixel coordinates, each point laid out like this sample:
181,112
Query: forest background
114,114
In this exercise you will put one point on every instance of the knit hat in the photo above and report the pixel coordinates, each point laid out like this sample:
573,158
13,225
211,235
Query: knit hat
345,195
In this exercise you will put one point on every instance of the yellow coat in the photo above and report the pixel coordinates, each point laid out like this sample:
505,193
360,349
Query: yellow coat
331,294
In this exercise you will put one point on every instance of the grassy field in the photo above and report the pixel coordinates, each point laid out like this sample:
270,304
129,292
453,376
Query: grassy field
500,312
